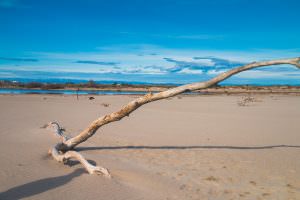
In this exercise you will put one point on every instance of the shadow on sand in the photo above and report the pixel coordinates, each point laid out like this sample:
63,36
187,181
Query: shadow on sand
39,186
42,185
187,147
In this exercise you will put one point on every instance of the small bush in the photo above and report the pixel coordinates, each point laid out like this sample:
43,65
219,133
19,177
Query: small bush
34,85
52,86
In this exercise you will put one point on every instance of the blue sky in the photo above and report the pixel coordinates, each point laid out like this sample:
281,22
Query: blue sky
158,41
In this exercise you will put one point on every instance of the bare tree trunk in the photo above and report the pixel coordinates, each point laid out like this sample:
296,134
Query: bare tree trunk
63,151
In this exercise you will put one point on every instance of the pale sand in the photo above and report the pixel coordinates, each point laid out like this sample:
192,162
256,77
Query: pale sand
204,147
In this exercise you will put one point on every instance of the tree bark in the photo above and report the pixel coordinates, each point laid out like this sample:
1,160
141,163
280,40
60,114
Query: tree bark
62,151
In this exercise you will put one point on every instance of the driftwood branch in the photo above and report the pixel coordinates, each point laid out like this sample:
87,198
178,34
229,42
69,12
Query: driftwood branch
62,151
60,154
64,157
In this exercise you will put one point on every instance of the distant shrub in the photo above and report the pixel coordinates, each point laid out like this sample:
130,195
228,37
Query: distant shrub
91,84
69,83
52,86
34,85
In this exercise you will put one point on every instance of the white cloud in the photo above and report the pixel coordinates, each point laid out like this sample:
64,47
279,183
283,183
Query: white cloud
215,72
149,59
6,74
257,74
189,71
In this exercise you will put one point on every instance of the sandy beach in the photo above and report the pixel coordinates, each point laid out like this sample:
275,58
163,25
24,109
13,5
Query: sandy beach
187,147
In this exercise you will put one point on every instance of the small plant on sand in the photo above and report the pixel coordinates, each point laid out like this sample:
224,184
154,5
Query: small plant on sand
105,104
64,150
246,101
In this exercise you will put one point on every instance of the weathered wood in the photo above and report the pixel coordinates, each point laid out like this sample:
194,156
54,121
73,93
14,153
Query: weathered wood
64,157
68,144
60,154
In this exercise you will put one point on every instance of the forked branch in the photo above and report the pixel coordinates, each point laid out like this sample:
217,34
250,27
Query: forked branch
60,154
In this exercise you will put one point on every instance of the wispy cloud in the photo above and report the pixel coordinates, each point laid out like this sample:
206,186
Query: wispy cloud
219,61
19,59
97,62
147,54
202,64
178,65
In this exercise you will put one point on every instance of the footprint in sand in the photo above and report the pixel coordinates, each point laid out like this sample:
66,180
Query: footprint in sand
227,191
244,194
265,194
212,178
182,187
290,186
252,183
